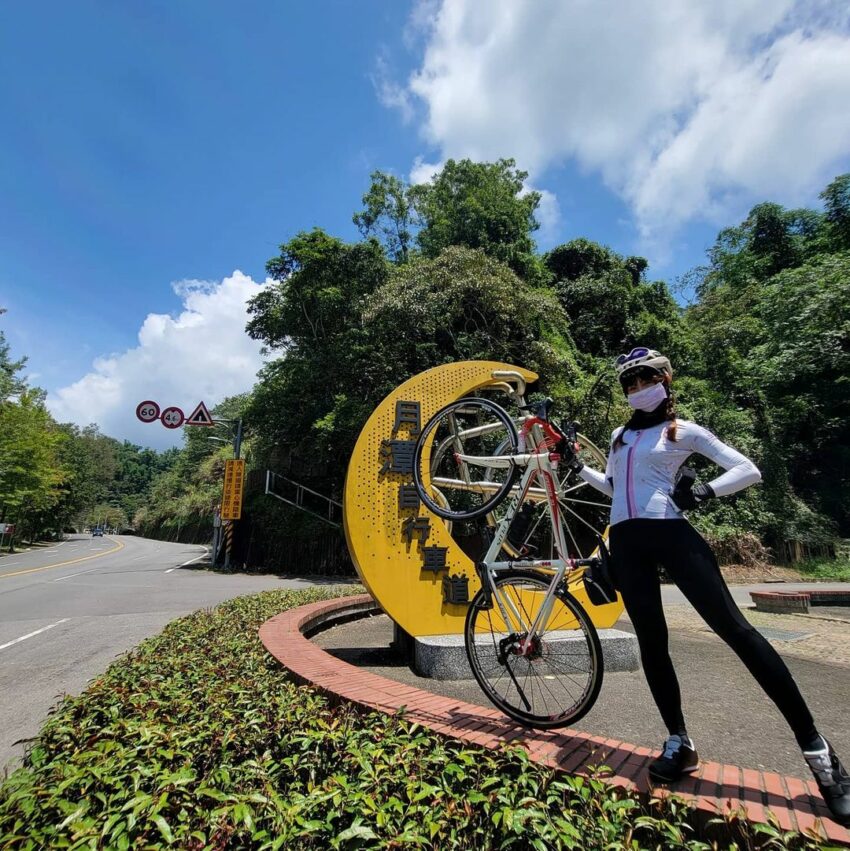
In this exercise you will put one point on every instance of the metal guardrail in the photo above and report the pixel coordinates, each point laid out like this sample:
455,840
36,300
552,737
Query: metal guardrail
299,496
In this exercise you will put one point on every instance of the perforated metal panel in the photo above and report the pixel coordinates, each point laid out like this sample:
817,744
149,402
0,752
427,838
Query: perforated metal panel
388,565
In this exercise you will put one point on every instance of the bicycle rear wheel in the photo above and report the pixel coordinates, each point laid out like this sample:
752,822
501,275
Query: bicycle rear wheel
550,681
450,479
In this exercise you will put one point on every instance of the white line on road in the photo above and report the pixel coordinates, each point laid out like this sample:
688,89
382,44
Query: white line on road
70,575
191,561
31,634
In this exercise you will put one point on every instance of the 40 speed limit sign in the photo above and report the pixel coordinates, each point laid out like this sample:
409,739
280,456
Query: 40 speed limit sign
147,411
172,417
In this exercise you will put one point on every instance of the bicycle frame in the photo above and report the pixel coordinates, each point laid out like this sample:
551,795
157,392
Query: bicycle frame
541,465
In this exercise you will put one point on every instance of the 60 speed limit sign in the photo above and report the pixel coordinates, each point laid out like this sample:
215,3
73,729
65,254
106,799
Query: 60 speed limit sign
172,417
148,411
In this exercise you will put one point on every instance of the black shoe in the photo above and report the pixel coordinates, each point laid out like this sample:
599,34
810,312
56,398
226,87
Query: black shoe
833,781
677,758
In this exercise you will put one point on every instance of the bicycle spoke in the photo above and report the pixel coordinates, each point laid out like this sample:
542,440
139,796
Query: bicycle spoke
465,451
606,506
578,517
544,680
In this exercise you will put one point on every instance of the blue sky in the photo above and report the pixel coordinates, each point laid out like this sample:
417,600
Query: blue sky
147,144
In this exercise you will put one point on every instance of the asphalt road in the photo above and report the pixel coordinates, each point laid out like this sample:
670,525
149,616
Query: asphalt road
67,611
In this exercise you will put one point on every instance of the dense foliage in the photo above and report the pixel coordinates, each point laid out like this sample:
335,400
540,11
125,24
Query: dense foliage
448,270
197,740
56,476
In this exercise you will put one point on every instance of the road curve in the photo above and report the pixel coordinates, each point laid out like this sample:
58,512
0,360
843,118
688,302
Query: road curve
67,611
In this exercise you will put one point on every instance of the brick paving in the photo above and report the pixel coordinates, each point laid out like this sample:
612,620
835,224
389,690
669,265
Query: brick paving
716,788
826,631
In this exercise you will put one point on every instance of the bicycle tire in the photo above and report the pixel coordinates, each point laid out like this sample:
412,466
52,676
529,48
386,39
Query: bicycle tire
434,430
553,681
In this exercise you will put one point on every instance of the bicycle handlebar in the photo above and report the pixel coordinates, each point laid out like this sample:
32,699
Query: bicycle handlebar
511,375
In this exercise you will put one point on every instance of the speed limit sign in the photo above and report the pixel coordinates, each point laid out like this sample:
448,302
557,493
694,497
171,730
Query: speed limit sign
172,417
148,411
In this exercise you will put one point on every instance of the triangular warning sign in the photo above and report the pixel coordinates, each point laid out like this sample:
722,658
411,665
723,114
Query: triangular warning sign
200,416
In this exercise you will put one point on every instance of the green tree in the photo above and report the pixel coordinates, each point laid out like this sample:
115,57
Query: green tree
836,198
610,306
480,205
30,474
461,305
802,364
11,383
389,214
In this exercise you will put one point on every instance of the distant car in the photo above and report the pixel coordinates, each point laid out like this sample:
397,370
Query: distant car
97,533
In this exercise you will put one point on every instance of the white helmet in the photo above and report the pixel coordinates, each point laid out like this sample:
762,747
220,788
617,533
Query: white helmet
642,356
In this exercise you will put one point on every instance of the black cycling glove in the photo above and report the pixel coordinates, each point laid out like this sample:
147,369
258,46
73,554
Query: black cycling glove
567,449
687,498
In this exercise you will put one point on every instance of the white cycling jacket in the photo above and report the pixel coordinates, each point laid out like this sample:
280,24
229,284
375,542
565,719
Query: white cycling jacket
641,473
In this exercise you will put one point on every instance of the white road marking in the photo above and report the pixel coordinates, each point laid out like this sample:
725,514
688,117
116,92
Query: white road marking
70,575
31,634
191,561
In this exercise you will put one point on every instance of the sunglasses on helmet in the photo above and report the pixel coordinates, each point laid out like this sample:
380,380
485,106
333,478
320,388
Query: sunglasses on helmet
639,352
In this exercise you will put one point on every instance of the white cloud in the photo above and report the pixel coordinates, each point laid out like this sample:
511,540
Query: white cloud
548,214
423,172
203,354
687,110
390,93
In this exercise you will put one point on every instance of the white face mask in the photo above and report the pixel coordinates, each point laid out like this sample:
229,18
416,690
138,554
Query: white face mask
649,398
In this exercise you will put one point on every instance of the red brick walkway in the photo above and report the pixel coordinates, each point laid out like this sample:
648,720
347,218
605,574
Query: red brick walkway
715,788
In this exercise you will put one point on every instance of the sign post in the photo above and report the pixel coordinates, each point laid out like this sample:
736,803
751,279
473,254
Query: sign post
231,500
173,417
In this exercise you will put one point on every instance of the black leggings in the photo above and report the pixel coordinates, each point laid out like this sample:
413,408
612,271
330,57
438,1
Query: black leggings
637,548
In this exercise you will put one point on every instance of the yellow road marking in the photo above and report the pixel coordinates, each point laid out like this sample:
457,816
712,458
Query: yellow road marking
115,549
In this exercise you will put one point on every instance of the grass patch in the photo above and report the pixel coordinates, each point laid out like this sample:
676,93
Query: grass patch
197,740
825,569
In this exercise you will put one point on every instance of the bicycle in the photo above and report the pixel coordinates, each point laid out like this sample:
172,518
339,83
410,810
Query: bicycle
528,532
530,644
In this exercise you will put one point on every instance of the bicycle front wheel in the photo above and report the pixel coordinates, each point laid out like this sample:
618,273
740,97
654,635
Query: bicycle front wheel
547,680
462,467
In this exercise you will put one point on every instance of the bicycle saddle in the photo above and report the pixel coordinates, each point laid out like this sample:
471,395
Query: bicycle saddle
539,409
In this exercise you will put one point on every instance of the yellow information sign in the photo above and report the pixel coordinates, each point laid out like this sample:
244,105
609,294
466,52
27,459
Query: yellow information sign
234,481
402,552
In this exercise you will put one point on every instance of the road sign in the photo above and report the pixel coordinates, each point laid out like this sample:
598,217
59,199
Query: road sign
200,416
234,481
147,411
172,417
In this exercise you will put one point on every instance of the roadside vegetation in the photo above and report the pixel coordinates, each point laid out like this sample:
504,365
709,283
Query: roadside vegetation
759,337
197,740
825,569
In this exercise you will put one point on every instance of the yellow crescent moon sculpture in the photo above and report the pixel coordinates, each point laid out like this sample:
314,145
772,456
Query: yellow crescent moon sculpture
388,559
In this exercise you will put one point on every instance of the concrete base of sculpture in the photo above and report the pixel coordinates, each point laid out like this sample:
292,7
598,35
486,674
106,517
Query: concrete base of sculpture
443,657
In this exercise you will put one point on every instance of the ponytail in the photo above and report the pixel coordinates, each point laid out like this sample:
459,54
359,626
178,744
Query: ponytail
671,416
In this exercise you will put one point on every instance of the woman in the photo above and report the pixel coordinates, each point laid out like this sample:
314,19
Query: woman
648,529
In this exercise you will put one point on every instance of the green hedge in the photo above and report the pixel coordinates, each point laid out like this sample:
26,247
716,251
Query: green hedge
198,740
